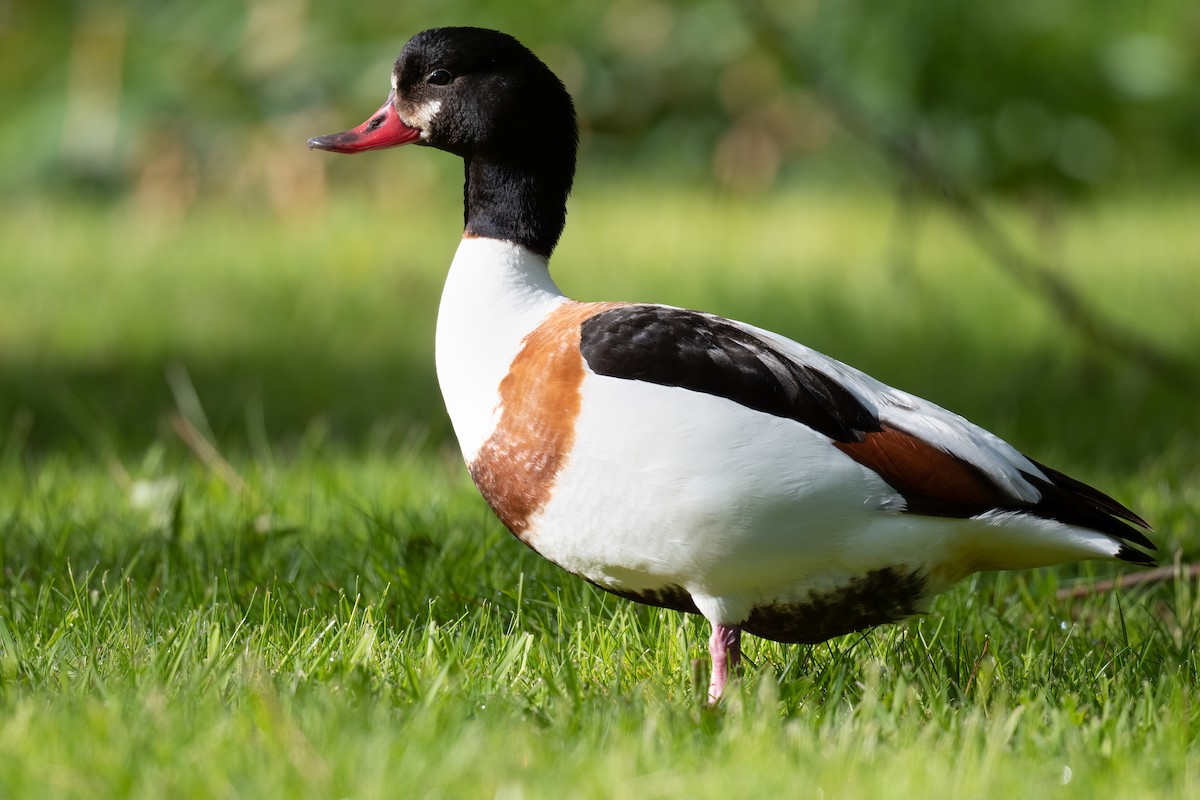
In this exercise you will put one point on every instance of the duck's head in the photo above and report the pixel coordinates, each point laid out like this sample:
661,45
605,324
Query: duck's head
470,92
483,96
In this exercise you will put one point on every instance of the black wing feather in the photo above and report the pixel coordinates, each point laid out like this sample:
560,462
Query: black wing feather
1075,503
704,353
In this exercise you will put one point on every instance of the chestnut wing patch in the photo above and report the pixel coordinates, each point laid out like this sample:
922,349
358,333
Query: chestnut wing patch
940,484
704,353
932,481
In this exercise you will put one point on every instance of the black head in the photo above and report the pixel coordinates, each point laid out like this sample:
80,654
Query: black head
474,91
483,96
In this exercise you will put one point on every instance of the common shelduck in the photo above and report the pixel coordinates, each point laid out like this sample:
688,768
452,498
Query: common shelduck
677,458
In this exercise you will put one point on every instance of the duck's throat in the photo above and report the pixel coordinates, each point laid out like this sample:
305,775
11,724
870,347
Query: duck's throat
521,203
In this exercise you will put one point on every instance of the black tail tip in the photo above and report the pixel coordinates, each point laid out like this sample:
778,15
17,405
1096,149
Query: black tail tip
1135,556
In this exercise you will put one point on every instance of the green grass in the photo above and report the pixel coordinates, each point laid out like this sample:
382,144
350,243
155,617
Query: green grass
344,618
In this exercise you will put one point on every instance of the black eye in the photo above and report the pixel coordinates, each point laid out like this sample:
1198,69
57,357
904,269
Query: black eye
439,77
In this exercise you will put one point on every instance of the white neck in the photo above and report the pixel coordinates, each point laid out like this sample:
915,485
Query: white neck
495,294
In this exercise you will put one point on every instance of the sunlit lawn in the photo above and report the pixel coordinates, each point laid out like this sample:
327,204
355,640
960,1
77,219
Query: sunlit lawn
241,558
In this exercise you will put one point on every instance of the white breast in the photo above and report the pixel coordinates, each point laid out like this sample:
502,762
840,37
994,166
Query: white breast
495,294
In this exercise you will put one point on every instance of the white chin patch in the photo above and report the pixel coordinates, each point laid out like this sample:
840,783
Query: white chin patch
422,116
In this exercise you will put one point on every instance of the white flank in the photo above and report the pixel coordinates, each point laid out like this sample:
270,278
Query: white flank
667,487
671,487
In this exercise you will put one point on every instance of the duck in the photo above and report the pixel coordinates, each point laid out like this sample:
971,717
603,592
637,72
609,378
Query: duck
677,458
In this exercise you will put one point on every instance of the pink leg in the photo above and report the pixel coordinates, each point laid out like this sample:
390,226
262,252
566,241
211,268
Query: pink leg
725,647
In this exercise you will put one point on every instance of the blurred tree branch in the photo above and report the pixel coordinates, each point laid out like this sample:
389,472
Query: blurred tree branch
922,174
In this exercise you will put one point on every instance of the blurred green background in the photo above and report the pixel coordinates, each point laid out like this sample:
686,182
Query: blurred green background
166,102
